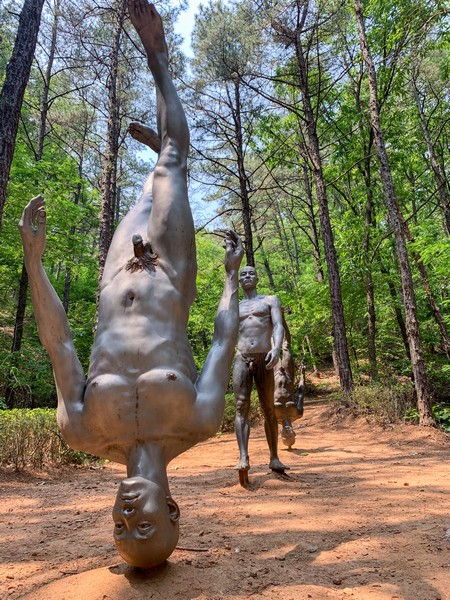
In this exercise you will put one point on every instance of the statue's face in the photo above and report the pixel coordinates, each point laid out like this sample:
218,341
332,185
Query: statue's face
248,278
145,522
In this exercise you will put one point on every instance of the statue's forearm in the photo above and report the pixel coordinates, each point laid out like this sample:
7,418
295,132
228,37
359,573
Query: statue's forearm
277,336
226,323
55,335
48,310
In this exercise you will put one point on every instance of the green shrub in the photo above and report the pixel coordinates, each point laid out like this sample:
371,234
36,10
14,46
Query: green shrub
441,412
30,438
388,401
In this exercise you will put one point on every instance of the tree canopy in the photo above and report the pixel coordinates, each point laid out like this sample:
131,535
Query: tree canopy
319,132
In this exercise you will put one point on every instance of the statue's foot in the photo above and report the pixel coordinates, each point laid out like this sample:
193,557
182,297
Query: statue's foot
148,23
276,465
243,464
145,135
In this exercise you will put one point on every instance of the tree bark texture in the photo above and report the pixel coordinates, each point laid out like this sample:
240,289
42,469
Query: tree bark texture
339,330
242,175
12,94
18,332
396,220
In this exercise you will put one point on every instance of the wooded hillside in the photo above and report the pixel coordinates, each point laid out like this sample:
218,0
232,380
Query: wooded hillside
320,132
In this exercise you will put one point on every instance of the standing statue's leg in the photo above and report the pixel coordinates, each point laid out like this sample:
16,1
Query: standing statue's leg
242,385
264,380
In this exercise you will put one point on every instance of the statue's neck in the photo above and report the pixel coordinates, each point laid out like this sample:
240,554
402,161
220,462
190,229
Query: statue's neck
250,294
148,461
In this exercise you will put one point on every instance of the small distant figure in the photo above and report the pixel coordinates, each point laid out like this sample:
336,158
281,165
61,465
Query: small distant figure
288,399
142,403
259,343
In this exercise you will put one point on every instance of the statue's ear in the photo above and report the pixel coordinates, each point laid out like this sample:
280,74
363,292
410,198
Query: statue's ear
174,511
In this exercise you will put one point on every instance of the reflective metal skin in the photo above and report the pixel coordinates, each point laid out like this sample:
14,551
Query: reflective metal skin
259,343
288,399
142,403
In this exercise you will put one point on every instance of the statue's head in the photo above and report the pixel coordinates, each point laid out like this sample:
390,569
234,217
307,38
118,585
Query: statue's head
248,277
145,522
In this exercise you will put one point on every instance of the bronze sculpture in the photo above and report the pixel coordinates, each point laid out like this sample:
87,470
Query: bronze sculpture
142,403
288,399
258,350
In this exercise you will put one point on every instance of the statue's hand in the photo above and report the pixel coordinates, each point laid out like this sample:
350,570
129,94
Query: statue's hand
33,237
233,251
272,358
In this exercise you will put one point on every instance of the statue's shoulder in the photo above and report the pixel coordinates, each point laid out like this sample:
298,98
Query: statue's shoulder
271,300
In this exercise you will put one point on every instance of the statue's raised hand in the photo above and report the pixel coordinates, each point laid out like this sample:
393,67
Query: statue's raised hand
32,227
233,251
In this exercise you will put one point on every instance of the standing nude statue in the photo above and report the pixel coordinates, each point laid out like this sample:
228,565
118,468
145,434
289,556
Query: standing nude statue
142,403
260,337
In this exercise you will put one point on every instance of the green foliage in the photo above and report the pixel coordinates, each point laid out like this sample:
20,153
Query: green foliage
441,413
30,438
388,401
243,71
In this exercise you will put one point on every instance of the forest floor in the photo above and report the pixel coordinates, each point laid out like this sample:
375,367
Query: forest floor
363,513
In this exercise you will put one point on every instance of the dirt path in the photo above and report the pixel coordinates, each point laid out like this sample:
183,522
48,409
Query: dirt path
363,515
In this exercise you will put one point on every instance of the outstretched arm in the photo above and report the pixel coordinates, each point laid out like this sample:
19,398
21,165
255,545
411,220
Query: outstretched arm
277,332
213,381
51,319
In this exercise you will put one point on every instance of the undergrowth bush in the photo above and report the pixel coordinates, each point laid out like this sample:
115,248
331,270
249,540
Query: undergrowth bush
30,438
388,401
441,412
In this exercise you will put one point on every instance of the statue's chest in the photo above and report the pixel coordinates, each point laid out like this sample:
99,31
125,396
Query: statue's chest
253,308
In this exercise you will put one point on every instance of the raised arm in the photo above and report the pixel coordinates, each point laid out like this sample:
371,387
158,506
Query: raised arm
213,381
277,331
51,319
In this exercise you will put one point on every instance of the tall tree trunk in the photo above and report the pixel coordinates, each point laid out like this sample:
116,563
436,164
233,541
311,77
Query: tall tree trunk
366,170
313,226
242,175
398,313
337,309
76,201
11,96
109,183
396,220
18,332
23,286
368,280
266,263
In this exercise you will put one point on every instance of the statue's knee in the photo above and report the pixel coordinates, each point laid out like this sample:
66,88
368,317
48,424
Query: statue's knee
242,406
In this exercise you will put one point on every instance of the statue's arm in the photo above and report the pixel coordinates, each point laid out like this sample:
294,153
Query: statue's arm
213,381
51,319
276,315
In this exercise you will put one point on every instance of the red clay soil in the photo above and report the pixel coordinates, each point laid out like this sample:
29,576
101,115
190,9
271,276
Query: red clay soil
363,514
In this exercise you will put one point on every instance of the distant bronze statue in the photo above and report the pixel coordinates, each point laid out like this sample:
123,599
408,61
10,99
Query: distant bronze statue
142,403
288,398
258,350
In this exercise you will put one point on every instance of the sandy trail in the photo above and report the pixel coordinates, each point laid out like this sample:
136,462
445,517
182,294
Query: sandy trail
363,514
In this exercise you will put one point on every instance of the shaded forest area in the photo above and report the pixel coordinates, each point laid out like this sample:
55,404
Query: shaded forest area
320,132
